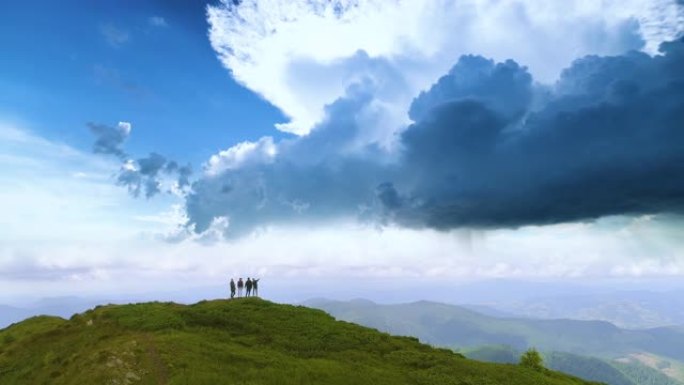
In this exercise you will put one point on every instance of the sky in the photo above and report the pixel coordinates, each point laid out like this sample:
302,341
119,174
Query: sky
150,146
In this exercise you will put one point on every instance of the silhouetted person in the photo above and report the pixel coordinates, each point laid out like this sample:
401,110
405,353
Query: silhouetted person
248,285
232,288
240,285
255,287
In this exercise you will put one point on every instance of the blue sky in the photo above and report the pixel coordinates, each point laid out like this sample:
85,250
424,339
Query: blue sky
450,140
102,61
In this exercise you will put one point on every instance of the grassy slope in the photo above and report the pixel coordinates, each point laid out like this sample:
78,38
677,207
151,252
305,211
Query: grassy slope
247,341
628,372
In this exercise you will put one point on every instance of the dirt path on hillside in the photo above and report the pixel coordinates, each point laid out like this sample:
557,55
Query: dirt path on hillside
161,371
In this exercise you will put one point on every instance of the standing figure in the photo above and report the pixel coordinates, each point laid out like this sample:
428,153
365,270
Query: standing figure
255,287
240,285
232,288
248,285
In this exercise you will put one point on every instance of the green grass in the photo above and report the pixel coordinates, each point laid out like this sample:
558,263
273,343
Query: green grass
247,341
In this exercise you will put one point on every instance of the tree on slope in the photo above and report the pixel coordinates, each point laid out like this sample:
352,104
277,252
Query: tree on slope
532,359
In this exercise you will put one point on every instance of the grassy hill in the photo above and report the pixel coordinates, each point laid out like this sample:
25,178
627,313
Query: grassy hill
247,341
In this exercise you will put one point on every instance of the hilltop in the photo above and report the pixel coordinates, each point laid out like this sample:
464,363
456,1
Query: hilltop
246,341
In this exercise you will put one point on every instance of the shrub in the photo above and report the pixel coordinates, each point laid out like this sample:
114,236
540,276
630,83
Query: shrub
532,359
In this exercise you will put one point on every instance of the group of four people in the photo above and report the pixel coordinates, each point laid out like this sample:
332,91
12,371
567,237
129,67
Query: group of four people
251,286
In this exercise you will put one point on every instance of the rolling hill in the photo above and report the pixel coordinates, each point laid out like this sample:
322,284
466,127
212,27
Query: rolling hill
246,341
459,328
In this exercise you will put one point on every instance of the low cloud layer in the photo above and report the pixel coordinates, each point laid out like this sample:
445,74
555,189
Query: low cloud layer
488,148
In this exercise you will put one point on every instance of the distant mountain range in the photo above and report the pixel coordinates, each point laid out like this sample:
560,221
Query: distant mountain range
626,309
463,329
57,306
11,314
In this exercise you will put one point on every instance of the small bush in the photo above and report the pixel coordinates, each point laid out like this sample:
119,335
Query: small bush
532,359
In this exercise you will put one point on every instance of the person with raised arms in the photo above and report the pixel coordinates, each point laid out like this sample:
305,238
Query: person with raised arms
255,287
248,285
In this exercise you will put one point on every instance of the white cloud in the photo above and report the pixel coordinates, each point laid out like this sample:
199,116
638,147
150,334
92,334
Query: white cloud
114,35
125,128
302,54
242,154
158,21
129,165
175,216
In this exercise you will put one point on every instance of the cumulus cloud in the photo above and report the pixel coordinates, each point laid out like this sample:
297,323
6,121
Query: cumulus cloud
147,175
184,173
143,174
301,55
608,142
505,87
109,140
242,154
489,148
323,175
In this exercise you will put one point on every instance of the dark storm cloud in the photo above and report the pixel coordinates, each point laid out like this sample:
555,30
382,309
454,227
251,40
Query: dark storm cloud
504,87
488,149
610,141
